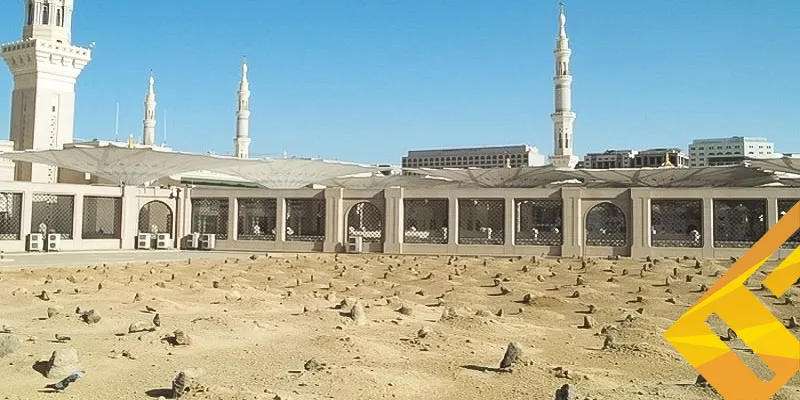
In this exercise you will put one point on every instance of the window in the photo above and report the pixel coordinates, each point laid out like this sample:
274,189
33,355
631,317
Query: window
45,14
59,20
30,13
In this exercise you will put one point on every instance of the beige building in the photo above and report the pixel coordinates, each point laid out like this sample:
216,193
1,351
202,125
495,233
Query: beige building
728,151
650,158
478,157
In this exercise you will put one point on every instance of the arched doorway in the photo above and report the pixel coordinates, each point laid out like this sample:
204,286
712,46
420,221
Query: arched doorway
606,226
155,217
366,220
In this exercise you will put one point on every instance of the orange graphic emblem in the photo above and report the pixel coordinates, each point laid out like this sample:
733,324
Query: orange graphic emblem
729,299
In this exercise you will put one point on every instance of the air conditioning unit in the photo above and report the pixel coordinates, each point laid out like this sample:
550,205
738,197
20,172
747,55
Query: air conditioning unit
35,242
144,241
163,241
208,241
355,244
192,241
53,242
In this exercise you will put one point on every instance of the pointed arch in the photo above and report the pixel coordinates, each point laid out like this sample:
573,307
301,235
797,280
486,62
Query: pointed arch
30,13
45,14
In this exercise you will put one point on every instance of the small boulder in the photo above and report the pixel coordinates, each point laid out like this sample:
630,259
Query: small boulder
233,295
9,344
513,352
62,363
566,392
358,314
140,326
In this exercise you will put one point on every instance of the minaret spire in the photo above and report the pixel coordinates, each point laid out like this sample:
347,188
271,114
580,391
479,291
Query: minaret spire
242,140
563,117
149,122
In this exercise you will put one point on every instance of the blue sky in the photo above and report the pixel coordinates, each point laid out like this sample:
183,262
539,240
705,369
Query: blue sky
368,80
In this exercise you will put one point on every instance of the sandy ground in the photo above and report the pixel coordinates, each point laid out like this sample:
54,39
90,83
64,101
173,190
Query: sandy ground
257,346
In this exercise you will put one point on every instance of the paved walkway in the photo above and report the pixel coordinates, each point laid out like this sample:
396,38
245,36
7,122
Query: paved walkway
78,258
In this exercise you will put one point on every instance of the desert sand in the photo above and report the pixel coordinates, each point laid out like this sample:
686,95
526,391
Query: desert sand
435,327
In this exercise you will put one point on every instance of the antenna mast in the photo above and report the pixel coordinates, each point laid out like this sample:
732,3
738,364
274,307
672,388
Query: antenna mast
116,124
165,126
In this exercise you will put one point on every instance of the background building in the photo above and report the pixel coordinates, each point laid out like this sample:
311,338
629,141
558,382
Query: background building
650,158
478,157
728,151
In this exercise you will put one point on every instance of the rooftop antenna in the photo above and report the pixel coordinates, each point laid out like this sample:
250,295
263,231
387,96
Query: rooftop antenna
165,128
116,124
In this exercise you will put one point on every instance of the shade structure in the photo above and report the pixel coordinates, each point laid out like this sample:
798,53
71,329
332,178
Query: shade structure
548,176
137,166
500,177
786,165
723,176
380,181
123,165
294,173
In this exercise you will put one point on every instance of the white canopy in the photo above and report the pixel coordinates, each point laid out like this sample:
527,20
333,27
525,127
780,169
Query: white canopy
293,173
136,166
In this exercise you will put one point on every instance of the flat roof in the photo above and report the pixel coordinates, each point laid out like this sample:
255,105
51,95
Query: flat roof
520,148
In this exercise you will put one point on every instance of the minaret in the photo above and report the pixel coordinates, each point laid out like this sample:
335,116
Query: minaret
45,67
149,122
242,140
563,117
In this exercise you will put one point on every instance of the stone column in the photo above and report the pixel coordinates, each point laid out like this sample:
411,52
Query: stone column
640,222
77,222
334,220
129,227
393,221
708,226
572,223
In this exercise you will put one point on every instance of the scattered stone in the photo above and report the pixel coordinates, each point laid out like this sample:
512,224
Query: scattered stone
52,312
504,290
45,295
186,382
512,353
609,343
579,281
9,344
62,338
358,314
137,297
179,338
792,323
90,317
499,313
424,332
19,292
140,326
566,392
701,381
62,363
527,298
313,365
408,311
233,295
588,322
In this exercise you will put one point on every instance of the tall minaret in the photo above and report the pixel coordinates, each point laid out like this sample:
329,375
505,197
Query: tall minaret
149,122
242,140
45,67
563,117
